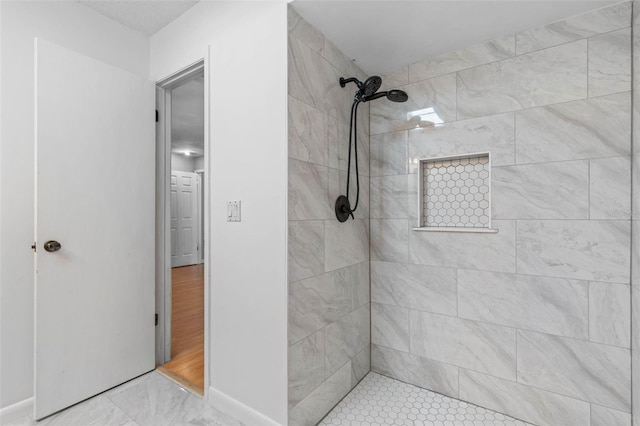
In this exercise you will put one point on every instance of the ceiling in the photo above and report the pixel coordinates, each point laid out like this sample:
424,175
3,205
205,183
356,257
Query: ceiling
187,118
382,36
145,16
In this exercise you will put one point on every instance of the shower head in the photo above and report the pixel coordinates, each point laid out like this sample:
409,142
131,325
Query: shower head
371,86
393,95
397,95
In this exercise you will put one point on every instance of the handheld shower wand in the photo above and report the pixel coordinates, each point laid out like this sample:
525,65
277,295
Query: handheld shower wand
366,92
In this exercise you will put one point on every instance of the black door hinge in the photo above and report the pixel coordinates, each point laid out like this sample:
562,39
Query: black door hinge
156,319
157,116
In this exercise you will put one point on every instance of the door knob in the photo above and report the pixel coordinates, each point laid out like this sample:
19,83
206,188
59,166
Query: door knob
52,246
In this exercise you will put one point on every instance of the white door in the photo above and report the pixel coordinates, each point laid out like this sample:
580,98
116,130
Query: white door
95,296
184,218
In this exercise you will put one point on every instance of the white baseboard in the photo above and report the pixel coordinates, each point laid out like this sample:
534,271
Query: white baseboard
16,411
238,410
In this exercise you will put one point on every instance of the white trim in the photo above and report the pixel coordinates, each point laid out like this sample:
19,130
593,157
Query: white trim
165,85
17,411
238,410
206,199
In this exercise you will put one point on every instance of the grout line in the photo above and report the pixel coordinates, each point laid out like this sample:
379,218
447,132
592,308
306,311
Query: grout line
589,311
508,273
633,225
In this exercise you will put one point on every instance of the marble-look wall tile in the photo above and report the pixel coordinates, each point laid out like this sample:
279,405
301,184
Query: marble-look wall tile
486,134
357,277
395,79
306,367
469,57
363,207
569,132
337,133
599,21
389,154
493,252
586,250
307,133
635,186
469,344
345,338
557,74
541,191
314,81
360,365
588,371
316,302
635,350
603,416
635,203
610,188
390,326
610,63
438,93
550,305
292,18
328,260
346,243
418,287
609,314
322,399
306,249
390,240
389,197
418,371
414,208
339,60
304,31
534,405
308,191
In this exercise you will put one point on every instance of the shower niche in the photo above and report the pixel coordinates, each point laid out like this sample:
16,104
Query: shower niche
455,193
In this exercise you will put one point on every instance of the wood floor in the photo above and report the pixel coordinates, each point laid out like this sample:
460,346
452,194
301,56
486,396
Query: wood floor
187,328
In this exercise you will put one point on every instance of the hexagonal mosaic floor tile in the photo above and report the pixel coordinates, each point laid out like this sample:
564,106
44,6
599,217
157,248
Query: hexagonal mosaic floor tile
380,400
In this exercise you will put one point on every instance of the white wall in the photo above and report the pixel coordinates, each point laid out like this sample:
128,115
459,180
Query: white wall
182,163
77,27
198,163
248,123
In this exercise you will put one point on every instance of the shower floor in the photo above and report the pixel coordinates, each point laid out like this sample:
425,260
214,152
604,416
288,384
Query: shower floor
380,400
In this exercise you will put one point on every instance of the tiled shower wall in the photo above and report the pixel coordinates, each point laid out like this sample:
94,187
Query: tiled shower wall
635,223
533,321
329,308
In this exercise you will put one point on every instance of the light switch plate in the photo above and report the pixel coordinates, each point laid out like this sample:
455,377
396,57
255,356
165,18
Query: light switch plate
233,211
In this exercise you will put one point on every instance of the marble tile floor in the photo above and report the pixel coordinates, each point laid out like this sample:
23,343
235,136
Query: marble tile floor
152,400
380,400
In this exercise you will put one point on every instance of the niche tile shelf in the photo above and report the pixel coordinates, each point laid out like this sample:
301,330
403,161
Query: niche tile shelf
455,194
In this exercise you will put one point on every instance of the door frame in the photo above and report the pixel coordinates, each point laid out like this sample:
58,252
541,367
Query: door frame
200,183
163,213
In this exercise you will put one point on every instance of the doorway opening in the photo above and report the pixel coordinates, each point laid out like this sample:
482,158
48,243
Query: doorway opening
181,286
